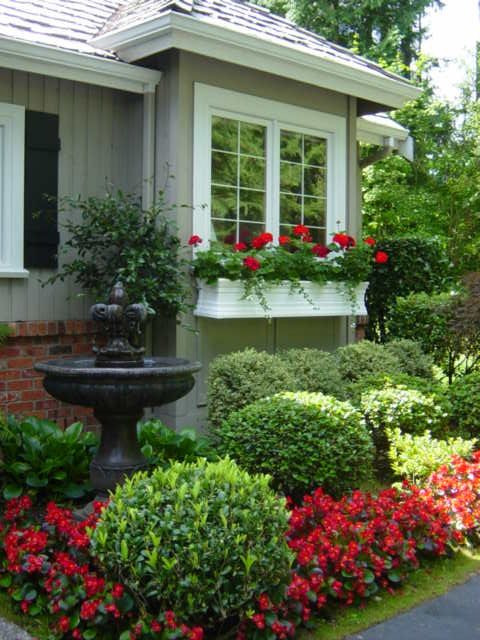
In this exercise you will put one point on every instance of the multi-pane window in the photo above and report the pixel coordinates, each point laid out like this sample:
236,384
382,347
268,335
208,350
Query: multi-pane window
238,182
261,165
303,174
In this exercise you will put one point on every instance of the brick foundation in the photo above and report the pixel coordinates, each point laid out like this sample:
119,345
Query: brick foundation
21,389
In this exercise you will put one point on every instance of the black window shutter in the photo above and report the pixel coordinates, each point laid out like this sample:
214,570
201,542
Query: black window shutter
42,145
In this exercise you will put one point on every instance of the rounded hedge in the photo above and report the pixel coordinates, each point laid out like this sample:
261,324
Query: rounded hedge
365,358
239,378
202,539
413,360
303,440
464,395
397,407
314,370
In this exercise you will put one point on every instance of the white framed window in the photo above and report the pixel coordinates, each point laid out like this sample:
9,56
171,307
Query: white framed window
261,165
12,154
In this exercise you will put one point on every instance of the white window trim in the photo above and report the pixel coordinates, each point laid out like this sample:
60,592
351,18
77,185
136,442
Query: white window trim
211,101
12,170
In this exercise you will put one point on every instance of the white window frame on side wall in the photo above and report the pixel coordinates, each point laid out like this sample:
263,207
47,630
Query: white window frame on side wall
12,171
213,101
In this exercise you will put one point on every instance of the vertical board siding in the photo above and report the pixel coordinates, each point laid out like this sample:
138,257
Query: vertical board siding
101,140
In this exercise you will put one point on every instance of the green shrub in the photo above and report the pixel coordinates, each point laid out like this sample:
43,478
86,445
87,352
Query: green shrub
464,394
415,264
314,370
413,360
202,539
161,445
303,440
427,319
380,381
240,378
400,408
416,457
364,359
5,332
39,458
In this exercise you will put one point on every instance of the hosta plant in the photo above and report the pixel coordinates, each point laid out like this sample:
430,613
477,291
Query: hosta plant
40,458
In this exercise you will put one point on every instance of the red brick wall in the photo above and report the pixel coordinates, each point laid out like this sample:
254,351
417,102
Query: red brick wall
360,328
21,389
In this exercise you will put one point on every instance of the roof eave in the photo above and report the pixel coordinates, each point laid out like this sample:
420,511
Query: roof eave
80,67
188,33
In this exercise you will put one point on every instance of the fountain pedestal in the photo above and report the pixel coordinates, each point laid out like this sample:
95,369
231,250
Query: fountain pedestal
118,384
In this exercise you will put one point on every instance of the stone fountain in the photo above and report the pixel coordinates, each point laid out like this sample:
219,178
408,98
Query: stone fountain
118,384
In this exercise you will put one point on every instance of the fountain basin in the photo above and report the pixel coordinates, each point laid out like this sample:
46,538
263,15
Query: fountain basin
158,382
118,396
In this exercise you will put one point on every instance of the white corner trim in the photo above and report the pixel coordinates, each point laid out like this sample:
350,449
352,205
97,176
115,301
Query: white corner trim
79,67
12,163
375,128
232,44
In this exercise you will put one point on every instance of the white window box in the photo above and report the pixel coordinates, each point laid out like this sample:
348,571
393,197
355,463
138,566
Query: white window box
223,300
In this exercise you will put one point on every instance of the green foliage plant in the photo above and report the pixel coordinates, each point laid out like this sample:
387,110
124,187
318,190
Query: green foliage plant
111,238
413,360
202,539
39,458
314,370
239,378
416,457
162,445
428,319
398,407
415,265
464,395
303,440
427,386
5,332
363,359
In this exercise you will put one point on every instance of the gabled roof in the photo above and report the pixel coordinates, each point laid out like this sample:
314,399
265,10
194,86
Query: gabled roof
231,30
241,16
66,24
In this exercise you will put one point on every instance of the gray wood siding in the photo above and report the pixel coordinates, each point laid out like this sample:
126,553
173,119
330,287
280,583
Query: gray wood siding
101,138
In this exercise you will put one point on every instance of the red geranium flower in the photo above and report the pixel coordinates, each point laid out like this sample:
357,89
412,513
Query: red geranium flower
251,263
194,240
301,230
283,240
371,241
381,257
260,241
240,246
344,240
320,250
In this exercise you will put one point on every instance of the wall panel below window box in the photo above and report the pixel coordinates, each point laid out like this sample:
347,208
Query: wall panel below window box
223,300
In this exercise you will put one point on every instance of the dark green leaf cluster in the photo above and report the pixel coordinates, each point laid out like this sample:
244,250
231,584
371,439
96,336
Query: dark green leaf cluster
464,395
5,331
314,370
362,359
39,458
303,440
112,238
415,265
201,539
162,445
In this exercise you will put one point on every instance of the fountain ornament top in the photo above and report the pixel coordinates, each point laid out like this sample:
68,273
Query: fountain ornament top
121,322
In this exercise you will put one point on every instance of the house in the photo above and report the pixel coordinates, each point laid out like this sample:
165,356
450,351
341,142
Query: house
130,90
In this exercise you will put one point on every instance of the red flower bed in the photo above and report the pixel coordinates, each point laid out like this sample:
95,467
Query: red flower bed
346,550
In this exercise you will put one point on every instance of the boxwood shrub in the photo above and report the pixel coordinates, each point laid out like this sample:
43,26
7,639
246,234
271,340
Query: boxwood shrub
314,370
202,539
413,360
365,358
303,440
239,378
